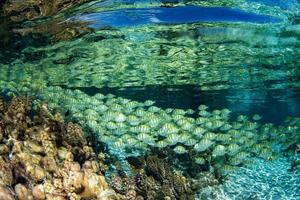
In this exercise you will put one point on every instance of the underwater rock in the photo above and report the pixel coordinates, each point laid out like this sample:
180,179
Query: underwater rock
22,192
38,192
153,178
6,194
204,180
6,174
46,158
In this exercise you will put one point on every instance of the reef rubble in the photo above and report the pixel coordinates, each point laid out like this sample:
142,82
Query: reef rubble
42,157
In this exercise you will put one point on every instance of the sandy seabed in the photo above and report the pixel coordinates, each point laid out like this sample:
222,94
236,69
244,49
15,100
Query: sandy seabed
263,181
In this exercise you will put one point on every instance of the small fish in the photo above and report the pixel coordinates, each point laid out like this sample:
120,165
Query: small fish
180,150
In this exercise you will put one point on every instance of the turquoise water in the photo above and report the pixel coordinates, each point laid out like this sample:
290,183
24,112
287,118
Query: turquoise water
134,73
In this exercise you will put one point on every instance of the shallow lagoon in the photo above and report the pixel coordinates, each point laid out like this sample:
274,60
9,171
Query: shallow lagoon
239,55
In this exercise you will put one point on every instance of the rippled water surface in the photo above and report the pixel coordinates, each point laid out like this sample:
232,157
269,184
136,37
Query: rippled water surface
243,55
247,45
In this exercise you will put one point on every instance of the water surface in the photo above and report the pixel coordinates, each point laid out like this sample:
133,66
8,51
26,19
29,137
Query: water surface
175,15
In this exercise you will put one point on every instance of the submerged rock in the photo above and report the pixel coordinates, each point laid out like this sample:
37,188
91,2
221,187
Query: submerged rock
42,157
153,178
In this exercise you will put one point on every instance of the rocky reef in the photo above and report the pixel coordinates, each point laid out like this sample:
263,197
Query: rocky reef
153,178
42,157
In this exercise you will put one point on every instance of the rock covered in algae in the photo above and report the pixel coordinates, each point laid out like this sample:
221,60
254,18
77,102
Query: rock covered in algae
44,158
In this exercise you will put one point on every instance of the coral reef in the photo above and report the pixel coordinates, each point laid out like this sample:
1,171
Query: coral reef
152,178
41,157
